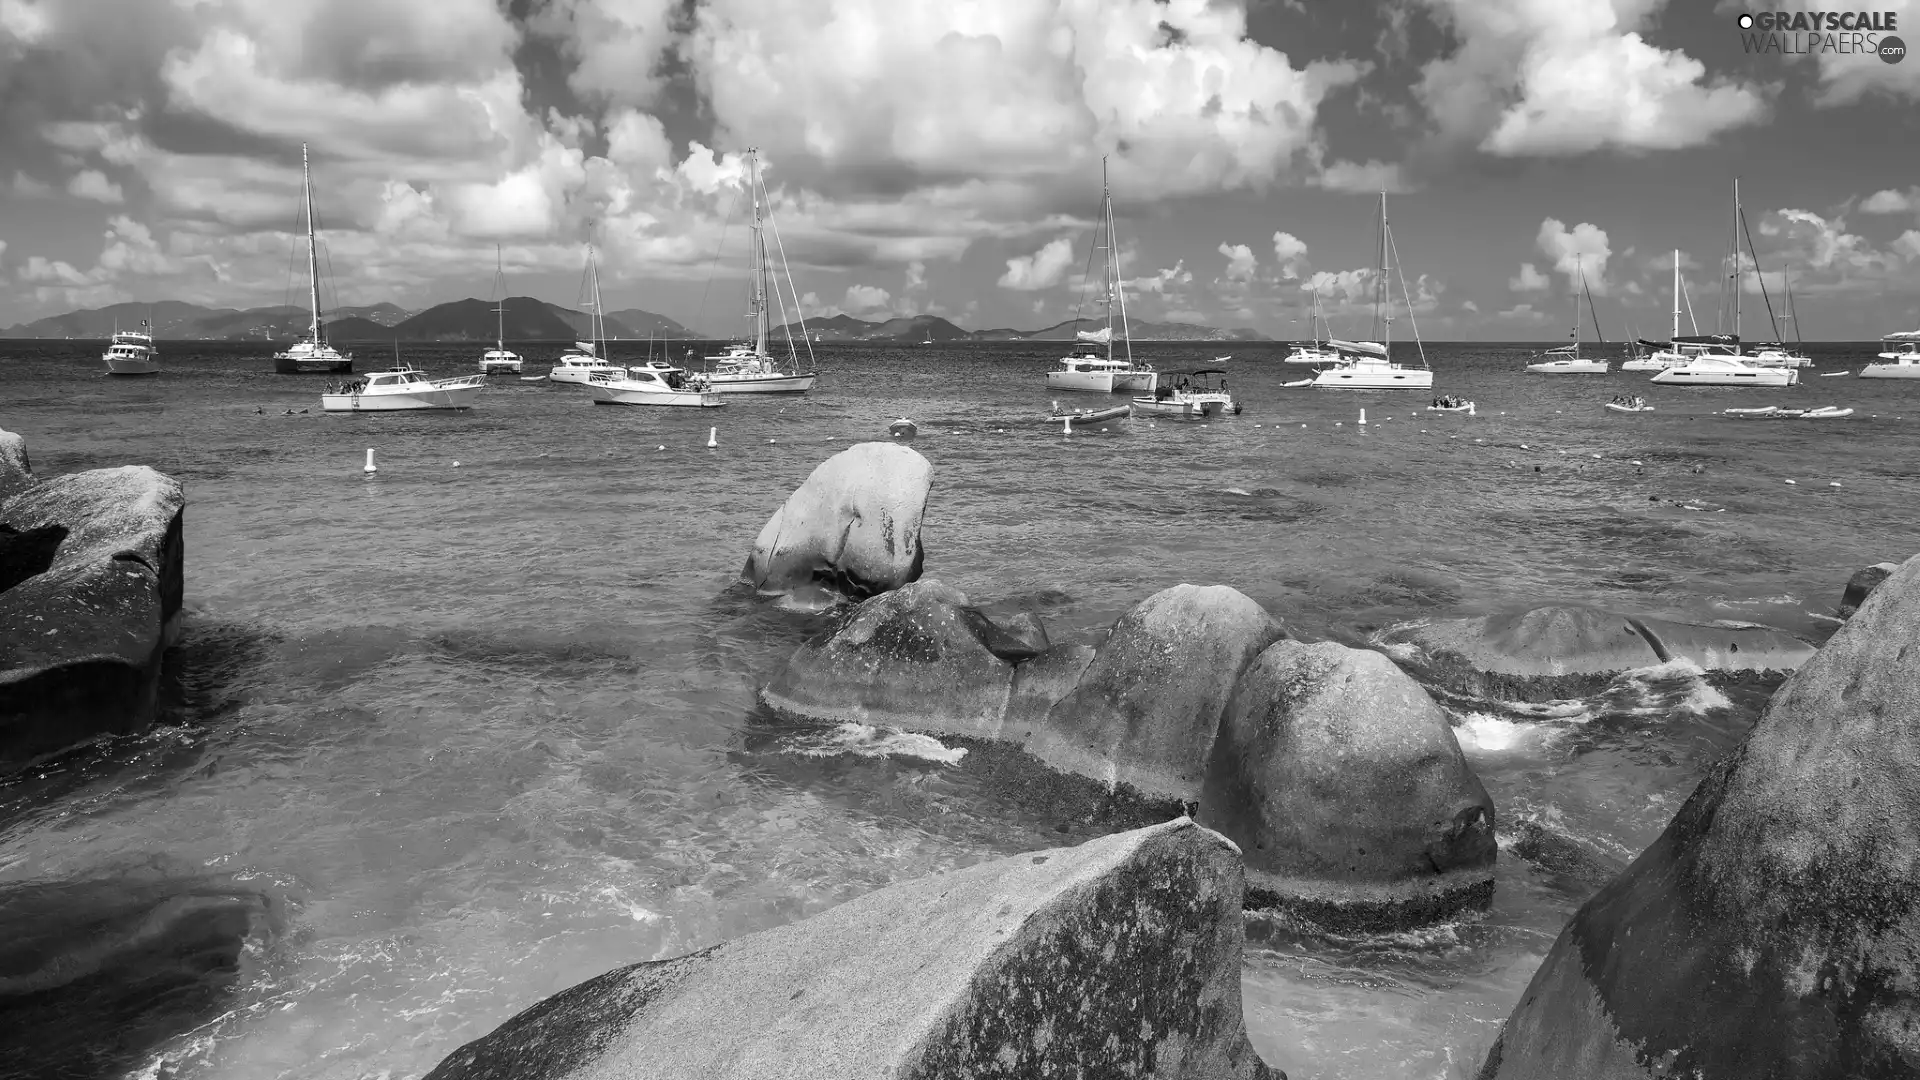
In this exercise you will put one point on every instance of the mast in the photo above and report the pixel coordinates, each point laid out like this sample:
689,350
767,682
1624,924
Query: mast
1739,271
1594,315
1574,297
1113,270
1676,294
1106,229
759,304
1786,278
313,248
499,304
1382,315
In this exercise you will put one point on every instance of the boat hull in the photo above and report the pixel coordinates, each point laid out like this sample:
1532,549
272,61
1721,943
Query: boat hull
1183,410
1406,379
499,367
579,375
1680,376
288,365
760,384
1890,371
121,365
604,394
1570,367
1611,407
1644,364
1090,418
1102,382
450,399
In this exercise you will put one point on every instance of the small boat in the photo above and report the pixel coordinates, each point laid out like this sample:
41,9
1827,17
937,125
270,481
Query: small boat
903,428
498,358
653,383
132,353
1832,374
1296,384
533,378
404,389
1831,412
1316,353
1615,406
1451,405
1566,360
1091,365
1079,418
1196,400
1223,359
1766,410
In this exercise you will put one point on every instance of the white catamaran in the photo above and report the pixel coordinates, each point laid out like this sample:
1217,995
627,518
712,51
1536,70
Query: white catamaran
747,367
1091,365
1716,359
1566,360
312,356
1368,365
587,358
498,358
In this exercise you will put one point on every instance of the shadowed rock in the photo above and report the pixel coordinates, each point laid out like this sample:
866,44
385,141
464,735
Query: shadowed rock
81,642
1571,864
1862,583
97,974
27,554
1774,928
850,531
1347,792
1124,951
1145,712
1562,651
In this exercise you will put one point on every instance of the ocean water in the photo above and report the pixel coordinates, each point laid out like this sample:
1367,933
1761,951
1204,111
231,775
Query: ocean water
488,730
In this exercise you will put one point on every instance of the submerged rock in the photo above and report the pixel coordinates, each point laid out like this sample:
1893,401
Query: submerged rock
1862,584
1124,951
1145,712
1774,928
850,531
81,641
1562,651
1343,785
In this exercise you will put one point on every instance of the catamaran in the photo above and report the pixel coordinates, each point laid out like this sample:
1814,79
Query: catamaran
312,355
1719,361
1566,360
747,367
1316,353
1899,357
587,358
132,353
498,358
1368,365
1091,365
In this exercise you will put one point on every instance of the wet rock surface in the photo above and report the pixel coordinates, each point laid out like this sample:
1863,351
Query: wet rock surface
1123,951
1774,928
1861,585
851,530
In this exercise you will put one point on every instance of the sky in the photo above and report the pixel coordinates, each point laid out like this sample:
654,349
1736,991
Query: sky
944,156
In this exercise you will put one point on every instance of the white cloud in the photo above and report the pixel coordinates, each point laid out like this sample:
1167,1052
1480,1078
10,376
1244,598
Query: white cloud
1582,249
1890,201
93,184
1041,270
1241,263
1373,176
1166,282
1565,77
867,298
1521,313
618,45
1846,78
1470,307
1529,279
1289,254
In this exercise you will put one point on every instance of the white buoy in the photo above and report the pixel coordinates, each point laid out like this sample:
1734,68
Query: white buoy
1066,425
1636,463
1792,482
456,464
659,448
1363,418
711,441
1833,483
369,468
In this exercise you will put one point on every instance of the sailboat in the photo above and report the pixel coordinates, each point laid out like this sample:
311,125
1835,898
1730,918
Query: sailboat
311,356
132,352
498,358
747,367
1091,365
1317,353
586,359
1715,360
1368,365
1777,354
1566,360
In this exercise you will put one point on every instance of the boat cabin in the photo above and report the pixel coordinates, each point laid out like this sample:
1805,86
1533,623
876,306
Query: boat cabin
399,379
1903,346
653,372
1190,383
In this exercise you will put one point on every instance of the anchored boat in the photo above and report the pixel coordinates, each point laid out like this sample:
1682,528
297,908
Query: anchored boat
1091,366
1368,365
1192,395
404,389
312,355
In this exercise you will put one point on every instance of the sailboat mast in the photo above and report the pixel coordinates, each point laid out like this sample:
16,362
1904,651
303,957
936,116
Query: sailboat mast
1786,278
1676,294
1106,228
1739,276
313,247
1383,295
1575,298
759,257
1592,314
499,303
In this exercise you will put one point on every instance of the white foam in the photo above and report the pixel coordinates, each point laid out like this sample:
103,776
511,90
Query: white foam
1699,698
865,740
1482,733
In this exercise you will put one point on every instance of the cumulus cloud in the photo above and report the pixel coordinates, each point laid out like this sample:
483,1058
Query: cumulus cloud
1469,307
1166,282
1529,279
1582,249
93,184
1846,78
1535,78
1890,201
866,298
1371,176
1041,270
1241,263
1289,255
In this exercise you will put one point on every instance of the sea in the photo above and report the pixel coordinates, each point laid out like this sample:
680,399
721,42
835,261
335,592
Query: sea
483,722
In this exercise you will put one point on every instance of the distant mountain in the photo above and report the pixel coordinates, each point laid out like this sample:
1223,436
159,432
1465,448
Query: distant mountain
177,321
912,329
354,328
917,328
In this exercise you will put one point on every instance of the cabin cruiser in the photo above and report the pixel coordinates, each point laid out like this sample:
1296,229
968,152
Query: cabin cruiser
131,353
400,390
652,383
1190,395
1899,357
498,359
581,363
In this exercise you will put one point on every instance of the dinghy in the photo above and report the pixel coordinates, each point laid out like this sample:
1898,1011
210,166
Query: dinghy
1615,406
1830,412
1832,374
1765,410
1297,383
1081,418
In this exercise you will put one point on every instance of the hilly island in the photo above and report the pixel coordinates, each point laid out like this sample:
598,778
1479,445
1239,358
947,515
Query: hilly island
527,319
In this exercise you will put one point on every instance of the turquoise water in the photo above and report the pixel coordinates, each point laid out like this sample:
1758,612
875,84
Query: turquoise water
486,729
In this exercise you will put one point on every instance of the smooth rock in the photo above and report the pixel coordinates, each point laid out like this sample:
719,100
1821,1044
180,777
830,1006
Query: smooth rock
16,472
80,643
850,531
1343,785
1123,952
914,658
27,554
1041,683
1544,653
1727,650
1773,930
1145,713
1862,583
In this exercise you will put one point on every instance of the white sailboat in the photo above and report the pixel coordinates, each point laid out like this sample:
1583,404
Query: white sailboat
1662,356
1566,360
1777,354
1091,365
747,368
1899,357
586,359
132,353
498,359
1719,362
1316,353
311,356
1368,365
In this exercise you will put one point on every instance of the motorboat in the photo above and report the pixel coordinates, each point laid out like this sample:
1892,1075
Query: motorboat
404,389
1449,404
654,383
1899,357
312,355
498,359
1566,360
1191,395
1091,365
1368,365
1070,419
1614,406
132,353
747,367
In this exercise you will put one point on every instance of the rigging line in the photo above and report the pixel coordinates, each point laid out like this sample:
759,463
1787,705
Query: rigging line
700,313
1688,297
1086,273
1759,276
1412,321
799,315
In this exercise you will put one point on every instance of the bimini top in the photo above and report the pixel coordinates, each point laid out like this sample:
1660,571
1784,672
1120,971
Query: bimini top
1199,371
1902,335
1371,347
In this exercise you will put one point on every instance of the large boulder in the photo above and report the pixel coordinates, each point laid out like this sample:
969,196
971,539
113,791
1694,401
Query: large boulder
1343,784
1862,583
81,641
918,658
1144,714
1124,951
851,530
1774,928
16,472
1562,651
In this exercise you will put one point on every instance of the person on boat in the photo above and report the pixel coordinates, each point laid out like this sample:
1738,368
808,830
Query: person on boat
1162,393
